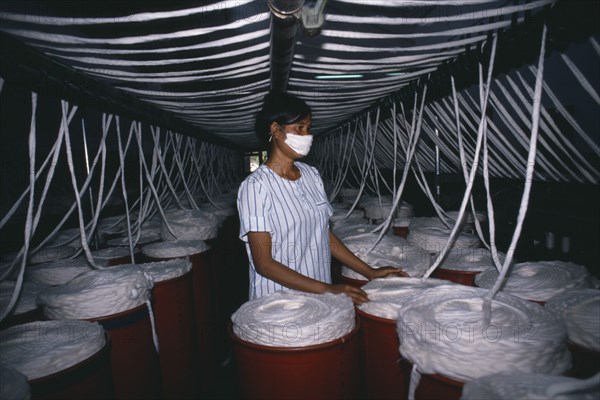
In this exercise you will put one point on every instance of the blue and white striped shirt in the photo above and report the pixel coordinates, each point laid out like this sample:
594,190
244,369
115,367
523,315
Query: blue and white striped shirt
296,215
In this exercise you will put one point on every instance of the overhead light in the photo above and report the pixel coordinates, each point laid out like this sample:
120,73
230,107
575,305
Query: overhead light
354,76
396,73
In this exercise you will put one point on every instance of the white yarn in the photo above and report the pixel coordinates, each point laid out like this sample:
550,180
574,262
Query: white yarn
379,207
470,259
433,222
467,218
222,206
27,296
393,251
356,216
433,238
510,385
350,228
13,384
387,295
190,225
367,200
349,195
58,272
294,319
153,325
580,310
165,270
441,331
177,248
538,281
67,237
112,225
41,348
47,254
379,211
13,274
151,228
124,241
110,253
98,293
401,222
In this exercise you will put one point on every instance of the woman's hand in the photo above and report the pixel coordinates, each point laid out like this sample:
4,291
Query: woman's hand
384,272
357,295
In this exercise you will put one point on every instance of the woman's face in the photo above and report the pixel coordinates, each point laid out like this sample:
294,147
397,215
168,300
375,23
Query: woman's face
301,127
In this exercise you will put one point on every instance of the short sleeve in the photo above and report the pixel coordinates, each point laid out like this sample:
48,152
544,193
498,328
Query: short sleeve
254,204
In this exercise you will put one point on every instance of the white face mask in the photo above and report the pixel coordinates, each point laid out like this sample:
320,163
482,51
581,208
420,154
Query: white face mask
299,143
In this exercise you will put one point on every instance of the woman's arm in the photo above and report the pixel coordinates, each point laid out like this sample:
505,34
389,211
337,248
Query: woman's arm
341,253
260,249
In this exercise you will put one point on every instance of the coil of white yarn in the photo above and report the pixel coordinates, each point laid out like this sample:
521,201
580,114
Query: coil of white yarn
403,222
367,200
112,225
165,270
176,248
437,223
41,348
190,225
356,216
68,237
538,281
58,272
347,228
467,217
442,331
27,296
48,254
98,293
221,208
474,259
124,241
393,251
294,319
379,211
434,238
4,270
349,195
517,385
45,254
580,310
387,295
151,228
13,384
111,253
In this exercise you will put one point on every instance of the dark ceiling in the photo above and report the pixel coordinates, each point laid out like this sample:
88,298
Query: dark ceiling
202,67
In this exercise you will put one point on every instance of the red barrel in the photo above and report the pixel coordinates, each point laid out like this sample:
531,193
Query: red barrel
400,231
466,278
384,376
89,379
338,277
438,387
586,362
174,314
203,275
323,371
203,291
134,362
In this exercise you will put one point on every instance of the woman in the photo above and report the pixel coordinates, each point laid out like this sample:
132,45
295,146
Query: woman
284,212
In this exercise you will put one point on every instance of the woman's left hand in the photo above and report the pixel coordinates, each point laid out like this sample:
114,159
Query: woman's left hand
384,272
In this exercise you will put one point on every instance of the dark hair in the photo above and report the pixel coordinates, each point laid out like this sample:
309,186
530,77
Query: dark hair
282,108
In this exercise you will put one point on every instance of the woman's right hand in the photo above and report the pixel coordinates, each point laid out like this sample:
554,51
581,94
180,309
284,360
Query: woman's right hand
357,295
